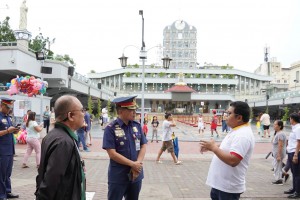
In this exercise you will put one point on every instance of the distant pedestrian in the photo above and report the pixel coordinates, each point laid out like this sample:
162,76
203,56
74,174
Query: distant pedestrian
265,122
104,117
224,124
33,135
278,151
145,128
227,171
154,124
52,119
88,121
167,139
46,118
214,124
201,124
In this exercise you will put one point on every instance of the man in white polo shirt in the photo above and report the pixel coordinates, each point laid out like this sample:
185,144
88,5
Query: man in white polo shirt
229,165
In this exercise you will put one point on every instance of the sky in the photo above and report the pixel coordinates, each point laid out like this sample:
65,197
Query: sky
94,33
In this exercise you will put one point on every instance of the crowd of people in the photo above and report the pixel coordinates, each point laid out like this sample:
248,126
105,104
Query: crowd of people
68,128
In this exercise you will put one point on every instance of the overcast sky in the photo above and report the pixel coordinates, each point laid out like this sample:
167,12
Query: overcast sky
94,33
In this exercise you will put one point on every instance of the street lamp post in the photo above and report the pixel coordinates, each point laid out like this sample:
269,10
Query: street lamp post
40,55
143,57
296,81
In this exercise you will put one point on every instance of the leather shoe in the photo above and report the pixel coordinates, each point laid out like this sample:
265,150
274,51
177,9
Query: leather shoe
294,196
12,196
290,191
3,198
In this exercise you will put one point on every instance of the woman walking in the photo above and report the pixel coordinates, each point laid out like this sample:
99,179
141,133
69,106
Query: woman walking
32,140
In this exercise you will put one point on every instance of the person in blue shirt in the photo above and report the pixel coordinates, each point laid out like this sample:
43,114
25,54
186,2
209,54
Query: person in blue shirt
88,121
125,144
7,149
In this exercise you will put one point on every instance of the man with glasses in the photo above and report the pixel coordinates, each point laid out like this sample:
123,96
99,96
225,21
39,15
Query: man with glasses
125,144
7,148
61,172
229,165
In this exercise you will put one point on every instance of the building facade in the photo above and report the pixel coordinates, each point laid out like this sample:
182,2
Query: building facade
215,87
180,44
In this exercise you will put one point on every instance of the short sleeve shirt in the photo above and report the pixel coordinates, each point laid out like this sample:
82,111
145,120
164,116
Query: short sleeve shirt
167,131
122,138
240,141
31,132
7,146
279,136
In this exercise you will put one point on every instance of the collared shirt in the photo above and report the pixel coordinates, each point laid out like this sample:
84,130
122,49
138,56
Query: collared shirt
75,137
294,136
122,138
240,141
7,146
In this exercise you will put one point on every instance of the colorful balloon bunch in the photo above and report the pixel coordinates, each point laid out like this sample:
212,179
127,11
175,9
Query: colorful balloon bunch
27,85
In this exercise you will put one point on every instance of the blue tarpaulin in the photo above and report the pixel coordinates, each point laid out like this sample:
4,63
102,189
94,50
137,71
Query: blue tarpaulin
176,146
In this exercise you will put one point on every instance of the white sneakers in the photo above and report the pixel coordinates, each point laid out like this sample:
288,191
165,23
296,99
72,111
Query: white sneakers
178,162
160,162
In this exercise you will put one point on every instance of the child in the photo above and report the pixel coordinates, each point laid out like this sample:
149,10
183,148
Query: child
145,128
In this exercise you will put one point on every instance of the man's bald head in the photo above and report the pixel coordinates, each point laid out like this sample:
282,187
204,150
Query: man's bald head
63,105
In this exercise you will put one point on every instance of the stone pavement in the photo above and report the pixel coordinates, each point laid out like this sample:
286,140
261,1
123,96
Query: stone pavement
163,181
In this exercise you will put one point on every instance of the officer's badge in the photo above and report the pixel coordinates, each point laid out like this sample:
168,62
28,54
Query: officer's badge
119,132
134,129
122,143
4,121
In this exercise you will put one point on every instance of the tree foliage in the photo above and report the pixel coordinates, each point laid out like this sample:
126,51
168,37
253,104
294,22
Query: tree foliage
90,105
39,43
109,109
98,113
6,33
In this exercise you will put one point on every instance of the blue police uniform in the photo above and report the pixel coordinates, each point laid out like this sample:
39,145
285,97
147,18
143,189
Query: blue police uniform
125,139
7,150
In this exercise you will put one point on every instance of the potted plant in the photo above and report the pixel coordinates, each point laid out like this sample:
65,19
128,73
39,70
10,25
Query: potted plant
286,116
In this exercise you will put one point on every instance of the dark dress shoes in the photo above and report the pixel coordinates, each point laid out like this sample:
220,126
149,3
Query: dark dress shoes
3,198
12,196
290,191
294,196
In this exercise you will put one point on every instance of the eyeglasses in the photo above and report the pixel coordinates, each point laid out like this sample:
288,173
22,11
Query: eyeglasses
82,110
72,111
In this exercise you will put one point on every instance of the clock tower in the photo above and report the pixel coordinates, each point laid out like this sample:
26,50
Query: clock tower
180,44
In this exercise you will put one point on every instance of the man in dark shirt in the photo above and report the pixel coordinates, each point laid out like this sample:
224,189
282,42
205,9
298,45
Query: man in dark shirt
61,174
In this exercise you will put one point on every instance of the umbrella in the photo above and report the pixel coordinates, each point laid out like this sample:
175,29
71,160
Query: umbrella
176,146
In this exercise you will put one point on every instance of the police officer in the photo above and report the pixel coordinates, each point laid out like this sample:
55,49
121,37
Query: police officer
125,144
7,149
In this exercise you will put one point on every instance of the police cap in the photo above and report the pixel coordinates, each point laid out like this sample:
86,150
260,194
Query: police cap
7,101
126,102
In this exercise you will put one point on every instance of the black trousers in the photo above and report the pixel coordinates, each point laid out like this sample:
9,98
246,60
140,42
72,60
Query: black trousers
295,168
47,124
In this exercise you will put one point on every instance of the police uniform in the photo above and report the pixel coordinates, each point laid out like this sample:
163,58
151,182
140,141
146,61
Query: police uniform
7,150
127,141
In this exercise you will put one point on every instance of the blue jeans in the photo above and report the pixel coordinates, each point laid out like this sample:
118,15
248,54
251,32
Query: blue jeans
224,126
220,195
82,140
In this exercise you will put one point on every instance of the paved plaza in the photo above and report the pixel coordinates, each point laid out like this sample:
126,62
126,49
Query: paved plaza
163,181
